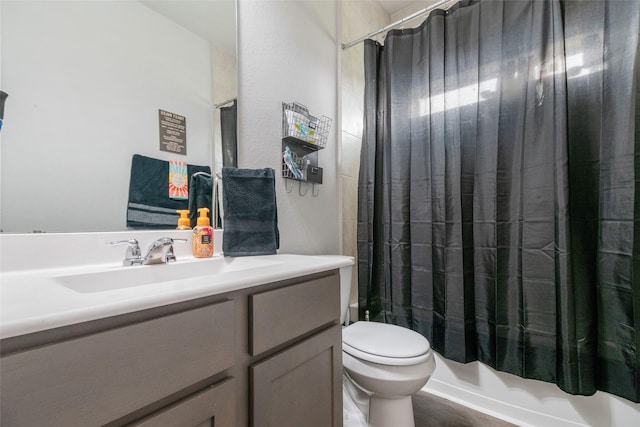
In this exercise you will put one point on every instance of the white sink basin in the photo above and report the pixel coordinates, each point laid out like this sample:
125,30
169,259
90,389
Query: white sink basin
133,276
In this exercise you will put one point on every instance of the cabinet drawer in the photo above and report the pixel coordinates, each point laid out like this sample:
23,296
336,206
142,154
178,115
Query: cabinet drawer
214,406
94,379
283,314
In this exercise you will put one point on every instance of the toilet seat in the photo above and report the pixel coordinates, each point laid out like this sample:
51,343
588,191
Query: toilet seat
385,344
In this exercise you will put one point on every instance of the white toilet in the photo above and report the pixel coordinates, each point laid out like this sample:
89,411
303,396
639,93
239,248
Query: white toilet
383,366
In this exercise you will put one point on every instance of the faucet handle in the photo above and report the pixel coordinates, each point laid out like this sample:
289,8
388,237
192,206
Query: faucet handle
133,244
133,254
171,256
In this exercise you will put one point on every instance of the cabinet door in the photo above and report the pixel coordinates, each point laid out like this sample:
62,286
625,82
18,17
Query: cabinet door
212,407
300,386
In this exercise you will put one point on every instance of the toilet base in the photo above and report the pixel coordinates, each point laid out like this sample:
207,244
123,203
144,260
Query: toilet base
355,404
391,412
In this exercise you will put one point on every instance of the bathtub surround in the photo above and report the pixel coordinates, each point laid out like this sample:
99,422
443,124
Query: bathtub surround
477,228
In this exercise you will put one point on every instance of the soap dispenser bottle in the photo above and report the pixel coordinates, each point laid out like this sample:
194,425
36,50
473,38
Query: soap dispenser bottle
203,236
183,222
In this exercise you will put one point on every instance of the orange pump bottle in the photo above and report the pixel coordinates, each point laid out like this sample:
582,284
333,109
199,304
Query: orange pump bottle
183,221
203,236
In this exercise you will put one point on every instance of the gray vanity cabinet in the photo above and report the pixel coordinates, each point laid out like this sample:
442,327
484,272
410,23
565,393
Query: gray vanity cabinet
268,355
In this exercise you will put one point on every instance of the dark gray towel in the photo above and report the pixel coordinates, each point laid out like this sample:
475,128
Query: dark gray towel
149,203
250,225
200,191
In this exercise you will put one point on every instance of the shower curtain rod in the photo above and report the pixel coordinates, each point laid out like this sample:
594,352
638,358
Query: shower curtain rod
395,24
223,103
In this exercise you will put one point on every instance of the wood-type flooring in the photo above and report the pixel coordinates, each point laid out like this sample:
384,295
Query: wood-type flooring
433,411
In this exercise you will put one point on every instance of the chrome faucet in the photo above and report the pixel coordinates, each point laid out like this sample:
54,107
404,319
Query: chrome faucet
159,252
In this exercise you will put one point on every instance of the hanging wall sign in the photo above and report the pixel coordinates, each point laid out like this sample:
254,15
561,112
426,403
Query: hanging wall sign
173,132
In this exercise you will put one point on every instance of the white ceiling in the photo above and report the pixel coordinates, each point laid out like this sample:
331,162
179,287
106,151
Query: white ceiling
215,20
212,20
394,6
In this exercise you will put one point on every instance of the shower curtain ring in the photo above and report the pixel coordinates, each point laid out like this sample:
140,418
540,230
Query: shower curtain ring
300,189
313,190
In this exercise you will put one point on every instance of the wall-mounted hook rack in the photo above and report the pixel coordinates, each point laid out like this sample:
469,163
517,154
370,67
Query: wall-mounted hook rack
302,136
300,190
287,187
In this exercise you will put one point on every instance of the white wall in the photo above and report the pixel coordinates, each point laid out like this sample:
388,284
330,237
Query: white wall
288,52
85,82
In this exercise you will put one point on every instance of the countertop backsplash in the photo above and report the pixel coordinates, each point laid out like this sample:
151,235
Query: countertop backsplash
19,252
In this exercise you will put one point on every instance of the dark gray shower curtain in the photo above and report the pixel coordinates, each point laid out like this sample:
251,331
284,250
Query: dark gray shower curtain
229,135
499,193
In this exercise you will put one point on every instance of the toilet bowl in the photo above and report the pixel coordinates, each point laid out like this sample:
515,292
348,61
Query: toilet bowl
383,366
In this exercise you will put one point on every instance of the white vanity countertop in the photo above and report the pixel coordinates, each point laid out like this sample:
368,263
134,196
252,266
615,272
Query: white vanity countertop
41,299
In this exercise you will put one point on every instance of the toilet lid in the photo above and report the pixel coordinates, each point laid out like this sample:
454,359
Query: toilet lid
384,340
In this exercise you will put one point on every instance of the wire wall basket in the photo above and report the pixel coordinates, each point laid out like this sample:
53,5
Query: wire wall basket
293,170
303,128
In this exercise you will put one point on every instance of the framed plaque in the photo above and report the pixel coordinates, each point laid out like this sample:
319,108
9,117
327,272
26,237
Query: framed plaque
173,132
